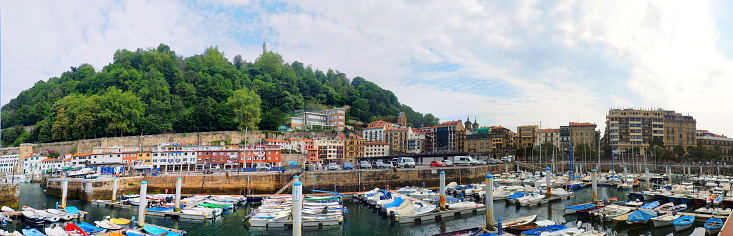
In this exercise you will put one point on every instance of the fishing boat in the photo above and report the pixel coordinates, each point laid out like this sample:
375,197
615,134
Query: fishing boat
32,232
544,230
683,223
713,226
721,212
74,230
664,220
107,225
159,231
639,218
714,199
573,209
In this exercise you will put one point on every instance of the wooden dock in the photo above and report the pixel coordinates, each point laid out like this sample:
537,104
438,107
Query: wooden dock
439,215
727,226
106,203
120,232
284,223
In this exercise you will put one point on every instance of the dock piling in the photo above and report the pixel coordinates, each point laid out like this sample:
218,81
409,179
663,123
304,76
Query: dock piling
297,206
114,190
442,190
178,194
65,187
143,203
489,203
647,179
595,185
669,174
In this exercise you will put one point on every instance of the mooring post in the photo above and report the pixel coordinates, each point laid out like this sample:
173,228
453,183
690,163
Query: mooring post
700,170
506,168
178,194
143,203
297,206
65,187
718,170
669,174
647,178
547,177
442,190
114,190
594,186
489,195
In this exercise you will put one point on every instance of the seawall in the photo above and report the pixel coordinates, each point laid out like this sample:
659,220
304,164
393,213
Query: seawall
261,183
9,195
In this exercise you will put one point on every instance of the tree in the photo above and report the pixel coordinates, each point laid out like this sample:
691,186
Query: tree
430,120
120,111
679,150
657,141
607,151
246,107
547,149
272,119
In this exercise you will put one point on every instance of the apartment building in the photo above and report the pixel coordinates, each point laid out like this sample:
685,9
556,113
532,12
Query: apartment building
415,141
375,130
583,133
353,147
502,142
331,119
8,162
478,142
329,151
716,142
549,136
628,127
679,129
526,136
445,136
397,139
376,149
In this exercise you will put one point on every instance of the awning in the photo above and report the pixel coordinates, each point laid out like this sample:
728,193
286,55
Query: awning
66,167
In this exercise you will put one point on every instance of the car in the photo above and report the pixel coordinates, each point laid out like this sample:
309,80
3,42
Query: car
263,167
348,166
448,162
481,162
381,164
364,165
333,166
464,161
437,164
404,162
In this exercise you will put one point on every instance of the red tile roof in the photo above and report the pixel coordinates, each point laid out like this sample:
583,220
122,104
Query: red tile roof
376,143
67,159
47,159
276,141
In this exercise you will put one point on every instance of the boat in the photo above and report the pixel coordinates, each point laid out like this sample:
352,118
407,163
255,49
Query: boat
573,209
705,210
130,232
32,218
56,231
683,223
664,207
518,229
714,199
107,225
465,205
74,211
469,231
650,206
664,220
531,200
713,226
32,232
8,233
543,230
61,214
680,207
47,216
7,209
159,231
518,221
74,230
721,212
635,203
89,228
639,218
119,221
158,211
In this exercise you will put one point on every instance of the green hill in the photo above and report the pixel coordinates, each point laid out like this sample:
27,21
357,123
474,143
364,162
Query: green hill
156,91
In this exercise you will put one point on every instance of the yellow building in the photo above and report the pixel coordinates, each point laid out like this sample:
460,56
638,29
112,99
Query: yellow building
397,140
353,147
526,136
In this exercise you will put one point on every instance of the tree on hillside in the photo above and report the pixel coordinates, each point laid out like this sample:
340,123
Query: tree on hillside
430,120
246,107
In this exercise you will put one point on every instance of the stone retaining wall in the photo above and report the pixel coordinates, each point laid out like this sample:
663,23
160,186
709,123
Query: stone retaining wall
9,195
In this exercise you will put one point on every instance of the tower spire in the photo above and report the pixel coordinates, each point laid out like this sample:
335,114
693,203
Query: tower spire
264,48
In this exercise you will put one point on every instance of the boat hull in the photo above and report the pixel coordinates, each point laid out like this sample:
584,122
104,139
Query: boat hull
681,227
662,223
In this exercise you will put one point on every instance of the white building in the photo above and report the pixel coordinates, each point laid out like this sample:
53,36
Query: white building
415,141
331,119
376,149
8,162
105,158
287,145
32,163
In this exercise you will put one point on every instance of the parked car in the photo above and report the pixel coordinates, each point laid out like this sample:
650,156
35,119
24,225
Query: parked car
437,164
263,167
333,166
481,162
404,162
464,161
380,164
348,166
365,165
448,162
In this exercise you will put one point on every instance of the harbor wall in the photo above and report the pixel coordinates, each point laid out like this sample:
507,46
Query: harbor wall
9,195
261,183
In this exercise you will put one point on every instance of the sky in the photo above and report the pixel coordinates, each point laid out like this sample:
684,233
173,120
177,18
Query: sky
505,63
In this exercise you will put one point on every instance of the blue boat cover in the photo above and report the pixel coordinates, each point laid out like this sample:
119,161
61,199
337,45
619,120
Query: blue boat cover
684,220
641,216
714,223
387,195
581,206
459,187
651,205
468,187
516,195
158,208
397,202
551,228
89,227
72,210
159,231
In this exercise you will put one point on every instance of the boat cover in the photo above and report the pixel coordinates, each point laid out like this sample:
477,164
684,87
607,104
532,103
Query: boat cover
159,209
516,195
581,206
398,201
651,205
159,231
387,195
641,216
72,210
551,228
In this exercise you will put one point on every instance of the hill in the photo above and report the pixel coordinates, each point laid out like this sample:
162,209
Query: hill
157,91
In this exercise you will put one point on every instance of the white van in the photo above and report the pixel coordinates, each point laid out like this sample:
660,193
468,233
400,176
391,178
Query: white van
404,162
464,161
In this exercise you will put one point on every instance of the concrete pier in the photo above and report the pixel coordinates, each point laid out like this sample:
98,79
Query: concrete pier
114,190
10,195
178,194
297,207
143,203
489,202
595,186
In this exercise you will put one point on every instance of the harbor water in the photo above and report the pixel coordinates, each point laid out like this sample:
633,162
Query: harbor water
360,220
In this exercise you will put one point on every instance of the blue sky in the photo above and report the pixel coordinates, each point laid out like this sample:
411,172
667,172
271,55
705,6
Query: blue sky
506,63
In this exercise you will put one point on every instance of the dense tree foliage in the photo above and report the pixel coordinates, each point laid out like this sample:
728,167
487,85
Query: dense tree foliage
157,91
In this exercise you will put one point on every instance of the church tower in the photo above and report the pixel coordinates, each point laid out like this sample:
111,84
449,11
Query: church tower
264,48
475,124
402,120
467,124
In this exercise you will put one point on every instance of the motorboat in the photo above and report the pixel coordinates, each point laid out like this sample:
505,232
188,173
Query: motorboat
635,203
56,231
32,218
713,226
464,205
618,212
48,217
572,209
78,173
107,225
664,207
639,218
61,214
544,230
518,229
721,212
158,211
7,209
159,231
705,210
683,223
74,230
531,200
664,220
32,232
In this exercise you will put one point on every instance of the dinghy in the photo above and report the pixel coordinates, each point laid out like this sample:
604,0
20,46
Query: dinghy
544,230
7,209
573,209
56,231
683,223
159,231
74,230
32,232
713,226
664,220
107,225
639,218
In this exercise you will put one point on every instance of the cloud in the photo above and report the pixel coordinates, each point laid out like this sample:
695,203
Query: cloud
507,62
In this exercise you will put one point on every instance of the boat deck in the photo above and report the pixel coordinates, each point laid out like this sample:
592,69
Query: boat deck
11,214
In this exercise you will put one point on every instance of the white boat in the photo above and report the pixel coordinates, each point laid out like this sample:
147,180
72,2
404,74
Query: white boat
664,220
464,205
7,209
625,186
721,212
61,214
78,173
531,200
195,214
48,217
704,210
56,231
519,221
107,225
8,233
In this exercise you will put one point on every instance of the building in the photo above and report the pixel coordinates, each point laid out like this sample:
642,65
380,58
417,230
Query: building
301,145
679,130
353,147
415,141
502,142
526,136
397,139
583,133
8,162
717,142
627,127
402,120
331,119
252,155
478,142
329,151
549,136
376,149
32,163
445,136
375,130
282,144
